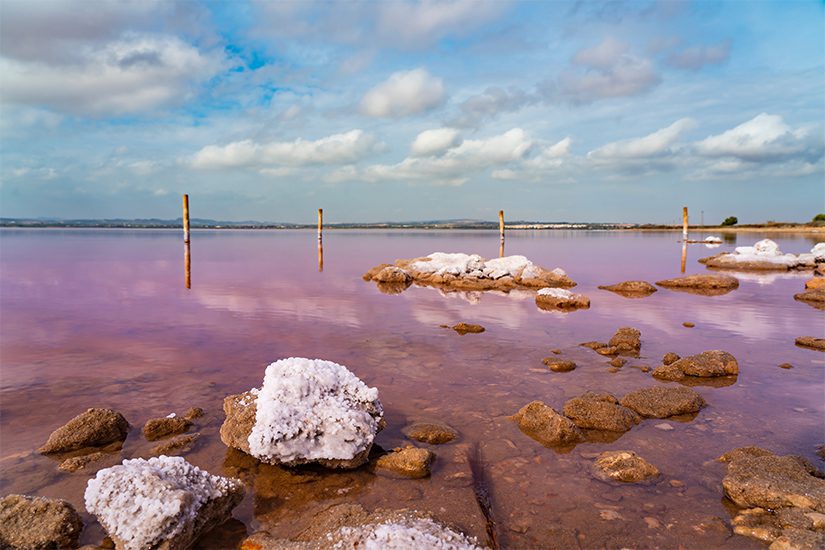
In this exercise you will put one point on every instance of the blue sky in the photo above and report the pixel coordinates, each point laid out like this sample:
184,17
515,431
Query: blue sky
402,110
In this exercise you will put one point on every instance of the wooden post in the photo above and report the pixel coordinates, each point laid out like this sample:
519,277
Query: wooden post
187,266
320,223
501,224
185,218
684,223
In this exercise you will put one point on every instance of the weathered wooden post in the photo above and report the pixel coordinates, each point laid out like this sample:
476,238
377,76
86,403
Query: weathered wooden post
187,266
320,223
501,224
185,218
684,223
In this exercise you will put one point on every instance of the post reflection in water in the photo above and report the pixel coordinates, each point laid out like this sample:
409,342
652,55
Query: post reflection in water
684,255
501,249
320,254
187,265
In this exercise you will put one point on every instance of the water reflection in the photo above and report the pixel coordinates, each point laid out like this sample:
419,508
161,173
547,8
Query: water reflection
320,255
187,265
684,255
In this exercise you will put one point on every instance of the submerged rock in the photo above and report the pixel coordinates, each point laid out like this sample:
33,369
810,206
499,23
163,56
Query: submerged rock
93,428
707,364
79,462
430,432
625,466
175,445
618,362
814,297
560,299
600,411
412,462
559,365
708,285
627,340
161,502
663,401
631,289
811,342
765,256
547,426
309,410
37,523
156,428
468,328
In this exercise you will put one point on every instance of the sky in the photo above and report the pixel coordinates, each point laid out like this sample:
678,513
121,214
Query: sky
406,110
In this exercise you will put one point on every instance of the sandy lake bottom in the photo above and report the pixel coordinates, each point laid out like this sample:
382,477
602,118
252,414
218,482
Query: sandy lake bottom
102,318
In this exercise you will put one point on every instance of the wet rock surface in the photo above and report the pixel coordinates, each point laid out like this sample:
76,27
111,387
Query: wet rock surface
816,282
176,445
411,462
624,466
157,428
708,285
811,342
560,299
670,358
430,432
600,411
814,297
547,426
37,523
663,401
93,428
631,289
468,328
618,362
627,340
707,364
79,462
178,502
558,365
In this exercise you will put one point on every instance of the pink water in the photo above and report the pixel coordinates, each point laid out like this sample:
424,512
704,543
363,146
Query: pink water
101,318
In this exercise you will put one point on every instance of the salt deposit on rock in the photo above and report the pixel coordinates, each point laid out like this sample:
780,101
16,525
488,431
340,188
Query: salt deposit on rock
308,410
164,500
559,298
766,256
469,272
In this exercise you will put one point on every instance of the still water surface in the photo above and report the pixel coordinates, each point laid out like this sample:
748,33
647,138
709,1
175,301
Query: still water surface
103,318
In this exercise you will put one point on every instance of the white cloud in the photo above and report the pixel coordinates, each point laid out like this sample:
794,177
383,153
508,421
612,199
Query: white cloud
764,138
134,74
696,57
658,143
346,148
404,93
435,142
488,104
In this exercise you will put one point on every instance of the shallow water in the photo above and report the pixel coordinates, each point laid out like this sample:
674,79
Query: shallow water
102,318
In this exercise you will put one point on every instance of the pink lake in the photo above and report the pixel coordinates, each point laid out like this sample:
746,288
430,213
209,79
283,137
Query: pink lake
102,318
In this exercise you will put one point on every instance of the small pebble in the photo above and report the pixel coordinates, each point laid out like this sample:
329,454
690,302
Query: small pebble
556,351
688,324
785,366
652,523
663,426
676,483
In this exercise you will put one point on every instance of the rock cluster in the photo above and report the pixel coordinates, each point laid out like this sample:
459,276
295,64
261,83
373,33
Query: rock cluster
38,523
631,289
783,498
705,285
708,364
766,256
469,272
626,341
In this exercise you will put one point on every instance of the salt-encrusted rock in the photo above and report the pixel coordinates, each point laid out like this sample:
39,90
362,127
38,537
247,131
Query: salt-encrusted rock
627,340
707,285
176,445
469,272
37,523
430,432
559,365
765,256
560,299
156,428
625,466
663,401
163,502
93,428
814,297
308,410
412,462
546,426
816,282
811,342
631,289
758,478
670,358
600,411
468,328
79,462
707,364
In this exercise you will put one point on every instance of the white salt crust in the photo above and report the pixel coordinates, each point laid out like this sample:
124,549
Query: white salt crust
473,265
713,240
404,534
311,409
555,293
767,250
143,502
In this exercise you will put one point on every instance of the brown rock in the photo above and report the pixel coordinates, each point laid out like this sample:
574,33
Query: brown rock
559,365
816,282
814,297
175,445
811,342
370,275
36,523
688,324
627,340
708,285
785,366
757,523
392,275
663,401
600,411
409,462
467,328
670,358
79,462
430,432
631,289
93,428
193,413
563,302
707,364
758,478
608,350
156,428
593,345
625,466
798,539
618,362
546,426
